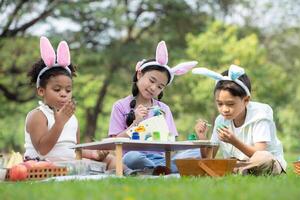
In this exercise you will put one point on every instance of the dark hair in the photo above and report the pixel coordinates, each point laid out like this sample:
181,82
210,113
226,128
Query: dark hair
44,78
135,91
233,87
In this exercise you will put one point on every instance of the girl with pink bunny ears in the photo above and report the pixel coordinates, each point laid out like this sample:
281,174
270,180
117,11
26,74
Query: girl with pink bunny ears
52,128
150,79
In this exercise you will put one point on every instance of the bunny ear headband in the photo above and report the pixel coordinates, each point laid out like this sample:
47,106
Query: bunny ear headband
161,59
49,57
233,74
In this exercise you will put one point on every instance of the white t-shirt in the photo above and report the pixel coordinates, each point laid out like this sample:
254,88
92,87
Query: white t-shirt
61,150
258,127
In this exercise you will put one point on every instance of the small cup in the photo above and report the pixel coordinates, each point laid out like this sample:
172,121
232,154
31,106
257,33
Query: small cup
156,135
192,136
171,137
135,136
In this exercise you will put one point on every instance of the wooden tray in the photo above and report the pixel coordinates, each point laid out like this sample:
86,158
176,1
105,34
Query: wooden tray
39,173
205,167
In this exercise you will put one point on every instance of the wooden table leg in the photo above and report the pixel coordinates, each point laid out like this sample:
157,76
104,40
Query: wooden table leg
209,152
168,159
119,161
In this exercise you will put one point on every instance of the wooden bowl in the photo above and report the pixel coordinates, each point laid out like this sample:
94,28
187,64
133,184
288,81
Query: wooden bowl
297,167
205,167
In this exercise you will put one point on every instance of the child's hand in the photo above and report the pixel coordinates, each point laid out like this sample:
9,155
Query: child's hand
226,135
201,129
140,113
65,113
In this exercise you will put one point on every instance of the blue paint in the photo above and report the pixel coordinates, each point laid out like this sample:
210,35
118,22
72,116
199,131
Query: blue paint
135,136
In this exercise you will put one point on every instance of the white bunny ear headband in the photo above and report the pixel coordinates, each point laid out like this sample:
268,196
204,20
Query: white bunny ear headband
161,59
233,74
49,57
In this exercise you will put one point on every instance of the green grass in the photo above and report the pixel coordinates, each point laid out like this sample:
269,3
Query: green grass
229,187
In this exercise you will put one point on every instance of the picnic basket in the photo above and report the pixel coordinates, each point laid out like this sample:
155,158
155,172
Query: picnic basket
297,167
205,167
39,173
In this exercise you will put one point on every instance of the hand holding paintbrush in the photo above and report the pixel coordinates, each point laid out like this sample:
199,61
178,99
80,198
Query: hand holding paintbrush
156,110
201,128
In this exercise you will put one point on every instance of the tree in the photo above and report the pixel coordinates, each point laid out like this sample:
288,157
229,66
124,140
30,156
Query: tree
217,48
118,28
283,49
15,58
16,15
111,36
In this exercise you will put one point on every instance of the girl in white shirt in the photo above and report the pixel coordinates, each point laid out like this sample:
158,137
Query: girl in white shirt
52,128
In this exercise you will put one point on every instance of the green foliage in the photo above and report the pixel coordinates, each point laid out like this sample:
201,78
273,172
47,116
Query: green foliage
217,48
284,50
116,34
17,56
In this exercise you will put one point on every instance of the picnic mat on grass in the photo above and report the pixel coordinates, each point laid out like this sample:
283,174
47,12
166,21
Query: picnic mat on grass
104,176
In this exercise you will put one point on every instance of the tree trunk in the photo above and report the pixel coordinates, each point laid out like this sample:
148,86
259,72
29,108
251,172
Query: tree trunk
93,113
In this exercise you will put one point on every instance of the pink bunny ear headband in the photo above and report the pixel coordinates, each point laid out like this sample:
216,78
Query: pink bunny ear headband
49,57
234,73
162,60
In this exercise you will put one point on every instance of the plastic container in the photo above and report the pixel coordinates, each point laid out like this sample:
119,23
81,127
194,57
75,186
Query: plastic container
156,135
39,173
297,167
83,167
2,174
192,136
1,161
135,136
171,138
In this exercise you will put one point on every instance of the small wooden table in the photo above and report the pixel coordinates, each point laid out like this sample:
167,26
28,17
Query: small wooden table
121,144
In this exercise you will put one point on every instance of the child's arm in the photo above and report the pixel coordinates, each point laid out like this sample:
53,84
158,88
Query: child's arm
140,112
43,139
226,135
91,154
124,133
98,155
201,129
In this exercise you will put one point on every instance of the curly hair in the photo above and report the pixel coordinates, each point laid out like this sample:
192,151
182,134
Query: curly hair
44,78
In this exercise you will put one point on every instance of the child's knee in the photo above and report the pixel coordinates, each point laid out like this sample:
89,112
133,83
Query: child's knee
263,157
136,160
264,160
132,157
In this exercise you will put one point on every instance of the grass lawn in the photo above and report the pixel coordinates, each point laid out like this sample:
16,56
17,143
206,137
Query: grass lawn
229,187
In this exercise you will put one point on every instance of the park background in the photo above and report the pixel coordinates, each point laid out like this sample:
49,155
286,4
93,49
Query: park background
108,37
